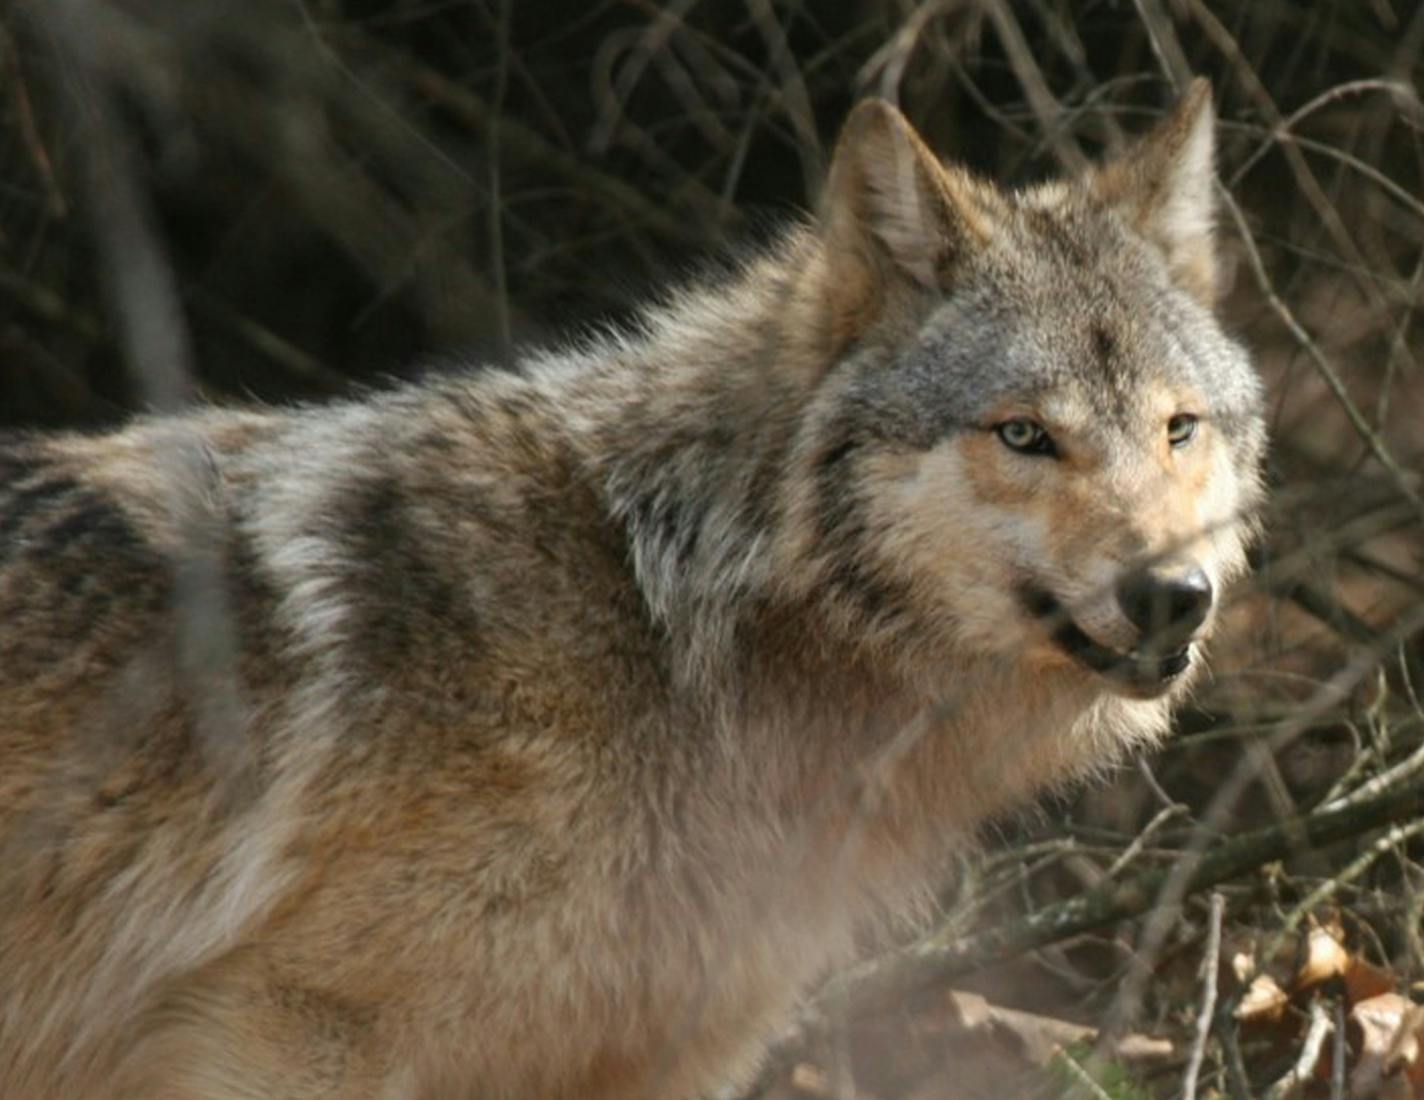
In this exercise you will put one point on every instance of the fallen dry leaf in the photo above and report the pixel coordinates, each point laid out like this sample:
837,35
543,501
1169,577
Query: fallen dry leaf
1325,958
1388,1028
1264,1000
1364,980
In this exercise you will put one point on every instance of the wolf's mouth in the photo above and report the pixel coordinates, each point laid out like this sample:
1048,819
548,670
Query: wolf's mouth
1141,667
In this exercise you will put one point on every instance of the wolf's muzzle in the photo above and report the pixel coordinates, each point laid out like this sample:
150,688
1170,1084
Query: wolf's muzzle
1157,659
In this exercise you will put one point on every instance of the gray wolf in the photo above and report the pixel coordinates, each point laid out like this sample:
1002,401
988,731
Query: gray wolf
544,733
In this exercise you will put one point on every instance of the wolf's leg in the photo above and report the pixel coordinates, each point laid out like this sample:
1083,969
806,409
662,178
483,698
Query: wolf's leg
234,1031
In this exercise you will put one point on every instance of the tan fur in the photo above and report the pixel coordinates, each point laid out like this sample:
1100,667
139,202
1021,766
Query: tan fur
546,735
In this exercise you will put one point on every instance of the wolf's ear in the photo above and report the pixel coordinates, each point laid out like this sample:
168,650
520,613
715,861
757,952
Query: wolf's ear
1164,184
892,211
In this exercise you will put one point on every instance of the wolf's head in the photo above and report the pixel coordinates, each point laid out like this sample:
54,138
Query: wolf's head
1033,437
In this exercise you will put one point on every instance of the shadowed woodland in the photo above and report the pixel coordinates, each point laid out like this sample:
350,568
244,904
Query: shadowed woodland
274,201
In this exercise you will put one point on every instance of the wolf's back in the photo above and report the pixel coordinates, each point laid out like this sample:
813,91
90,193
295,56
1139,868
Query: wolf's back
236,652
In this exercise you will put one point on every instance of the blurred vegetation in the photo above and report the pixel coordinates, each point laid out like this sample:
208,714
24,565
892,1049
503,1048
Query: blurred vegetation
343,192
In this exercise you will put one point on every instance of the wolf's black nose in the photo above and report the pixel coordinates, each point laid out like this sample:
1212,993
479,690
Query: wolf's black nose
1161,603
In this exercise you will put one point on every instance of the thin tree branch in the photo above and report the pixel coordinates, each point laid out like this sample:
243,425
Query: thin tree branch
933,961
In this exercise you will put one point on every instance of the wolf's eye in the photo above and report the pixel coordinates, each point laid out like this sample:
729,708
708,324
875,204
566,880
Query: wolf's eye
1180,429
1026,437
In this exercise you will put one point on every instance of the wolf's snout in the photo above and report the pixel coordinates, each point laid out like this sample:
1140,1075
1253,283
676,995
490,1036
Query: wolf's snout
1166,604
